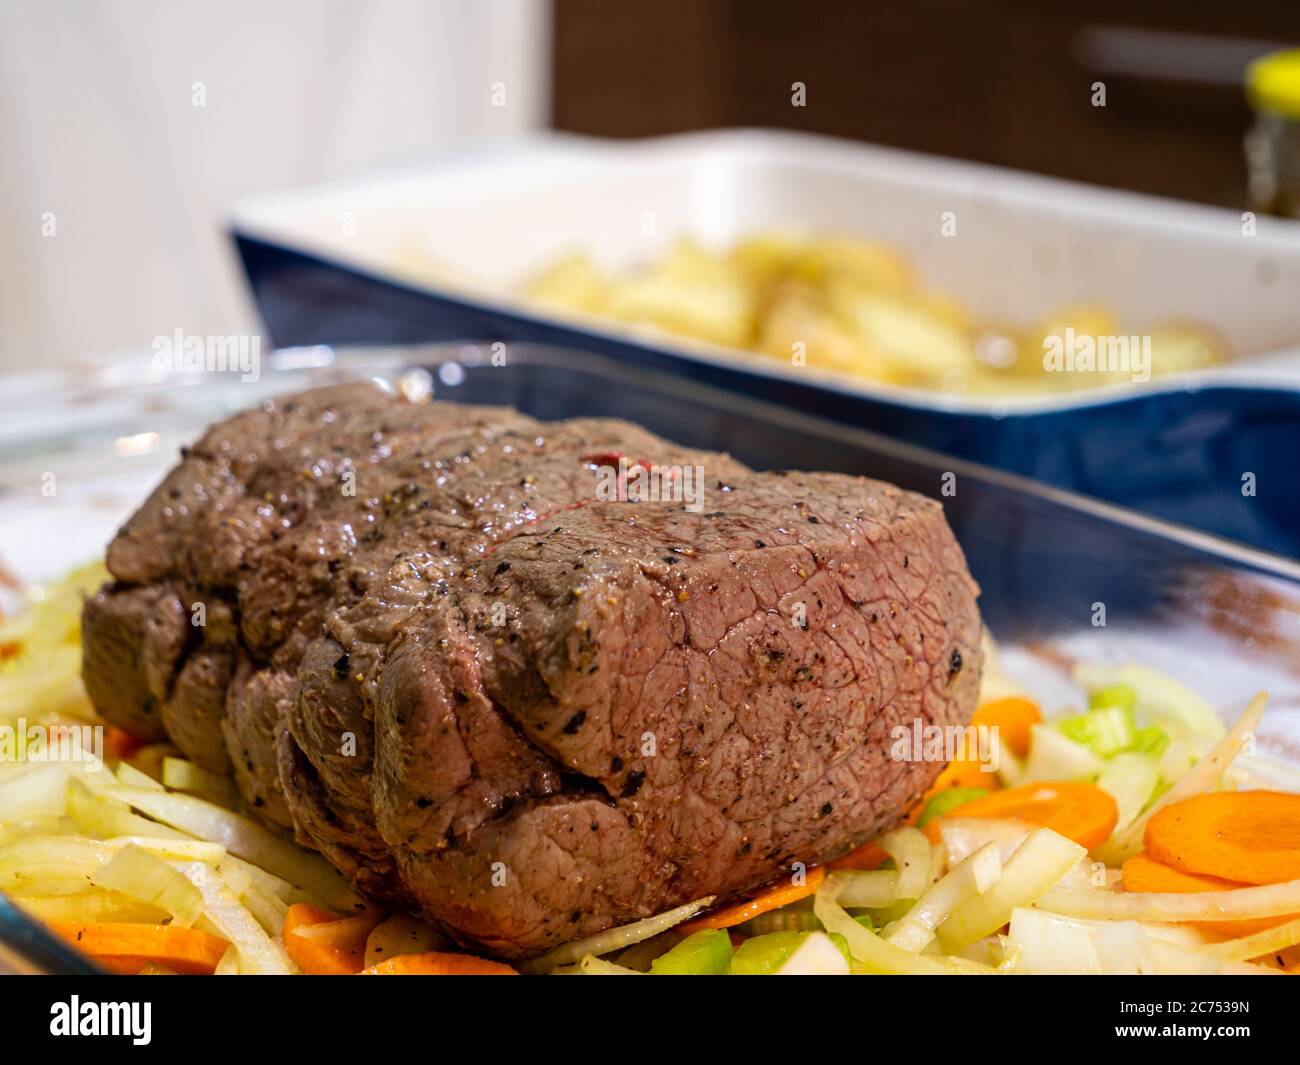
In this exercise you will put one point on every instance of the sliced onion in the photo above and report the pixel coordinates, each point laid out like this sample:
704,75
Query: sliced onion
182,775
1203,776
872,952
130,777
141,875
36,794
226,917
616,938
31,860
247,840
971,877
1269,941
96,813
594,966
910,850
870,890
1035,867
963,836
268,909
1050,944
1266,900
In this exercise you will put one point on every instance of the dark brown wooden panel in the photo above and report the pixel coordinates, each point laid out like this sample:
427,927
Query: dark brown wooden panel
1005,81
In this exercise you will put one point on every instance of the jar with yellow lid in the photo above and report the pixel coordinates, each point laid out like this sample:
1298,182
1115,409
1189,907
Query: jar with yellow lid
1273,143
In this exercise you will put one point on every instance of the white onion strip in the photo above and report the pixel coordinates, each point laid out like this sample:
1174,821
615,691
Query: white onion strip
615,938
1268,941
912,856
972,876
1266,900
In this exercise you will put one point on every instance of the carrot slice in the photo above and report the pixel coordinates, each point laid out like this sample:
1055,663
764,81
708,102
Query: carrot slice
1143,874
437,963
336,945
1081,812
1012,717
960,773
771,898
1249,836
868,856
123,947
120,744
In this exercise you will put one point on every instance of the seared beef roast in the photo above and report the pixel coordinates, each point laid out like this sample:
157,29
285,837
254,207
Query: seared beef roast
432,651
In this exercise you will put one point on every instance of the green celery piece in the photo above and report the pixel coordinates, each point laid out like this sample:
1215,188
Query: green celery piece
865,920
1121,695
763,955
842,944
946,801
1106,731
706,953
1150,740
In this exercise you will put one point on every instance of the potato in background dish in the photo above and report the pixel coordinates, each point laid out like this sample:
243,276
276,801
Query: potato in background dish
856,307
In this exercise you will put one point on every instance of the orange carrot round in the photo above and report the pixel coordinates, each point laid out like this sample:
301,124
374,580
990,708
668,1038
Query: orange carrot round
961,773
123,947
1248,836
437,963
1012,717
1143,874
341,954
1079,811
772,898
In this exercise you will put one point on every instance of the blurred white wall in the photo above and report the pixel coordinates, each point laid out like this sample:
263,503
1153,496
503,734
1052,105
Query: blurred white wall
127,125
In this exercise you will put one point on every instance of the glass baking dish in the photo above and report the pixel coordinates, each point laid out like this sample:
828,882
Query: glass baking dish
1222,618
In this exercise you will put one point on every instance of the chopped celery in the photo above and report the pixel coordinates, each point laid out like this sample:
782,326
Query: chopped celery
1121,695
763,955
1054,756
790,954
1105,731
865,920
946,801
1158,695
842,945
1151,740
706,953
1129,778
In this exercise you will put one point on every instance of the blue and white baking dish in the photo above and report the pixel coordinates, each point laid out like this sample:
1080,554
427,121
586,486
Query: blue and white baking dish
349,263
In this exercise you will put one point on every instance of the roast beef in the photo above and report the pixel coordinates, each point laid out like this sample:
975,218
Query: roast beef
432,649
